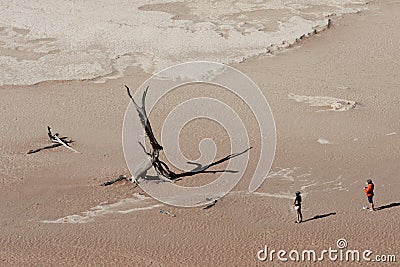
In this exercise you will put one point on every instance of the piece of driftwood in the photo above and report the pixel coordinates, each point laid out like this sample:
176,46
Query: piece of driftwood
56,140
120,178
167,213
211,204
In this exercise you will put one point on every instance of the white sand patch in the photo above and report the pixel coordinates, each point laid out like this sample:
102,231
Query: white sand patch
187,74
304,187
292,182
100,39
333,181
330,103
123,206
339,188
283,174
333,185
140,209
323,141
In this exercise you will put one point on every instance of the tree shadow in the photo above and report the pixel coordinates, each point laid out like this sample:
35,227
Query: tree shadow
320,216
32,151
388,206
157,179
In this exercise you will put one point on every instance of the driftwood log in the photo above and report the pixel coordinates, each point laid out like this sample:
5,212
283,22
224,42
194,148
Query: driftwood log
120,178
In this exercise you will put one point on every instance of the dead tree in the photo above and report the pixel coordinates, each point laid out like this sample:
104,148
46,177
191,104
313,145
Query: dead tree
162,169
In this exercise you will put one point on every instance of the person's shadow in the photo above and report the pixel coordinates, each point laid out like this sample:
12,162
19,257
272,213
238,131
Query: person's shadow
388,206
320,216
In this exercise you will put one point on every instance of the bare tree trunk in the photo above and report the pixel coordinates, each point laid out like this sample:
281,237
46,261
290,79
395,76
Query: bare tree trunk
141,170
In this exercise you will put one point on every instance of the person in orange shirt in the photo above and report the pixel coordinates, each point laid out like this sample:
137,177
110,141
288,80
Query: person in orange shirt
369,190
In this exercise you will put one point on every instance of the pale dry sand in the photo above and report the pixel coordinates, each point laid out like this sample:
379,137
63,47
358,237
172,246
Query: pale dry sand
357,59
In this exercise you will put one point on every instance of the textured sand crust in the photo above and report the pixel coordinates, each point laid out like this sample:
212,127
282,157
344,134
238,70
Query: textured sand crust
357,59
36,45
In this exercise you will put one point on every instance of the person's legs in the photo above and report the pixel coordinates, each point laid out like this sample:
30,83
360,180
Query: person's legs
297,214
371,201
300,215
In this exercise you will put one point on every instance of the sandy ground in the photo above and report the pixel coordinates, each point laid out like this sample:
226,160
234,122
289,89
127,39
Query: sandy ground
357,59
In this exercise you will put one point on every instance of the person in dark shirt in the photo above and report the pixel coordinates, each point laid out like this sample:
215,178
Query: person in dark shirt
297,207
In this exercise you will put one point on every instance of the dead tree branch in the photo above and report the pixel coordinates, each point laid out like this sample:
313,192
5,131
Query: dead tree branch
120,178
56,140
